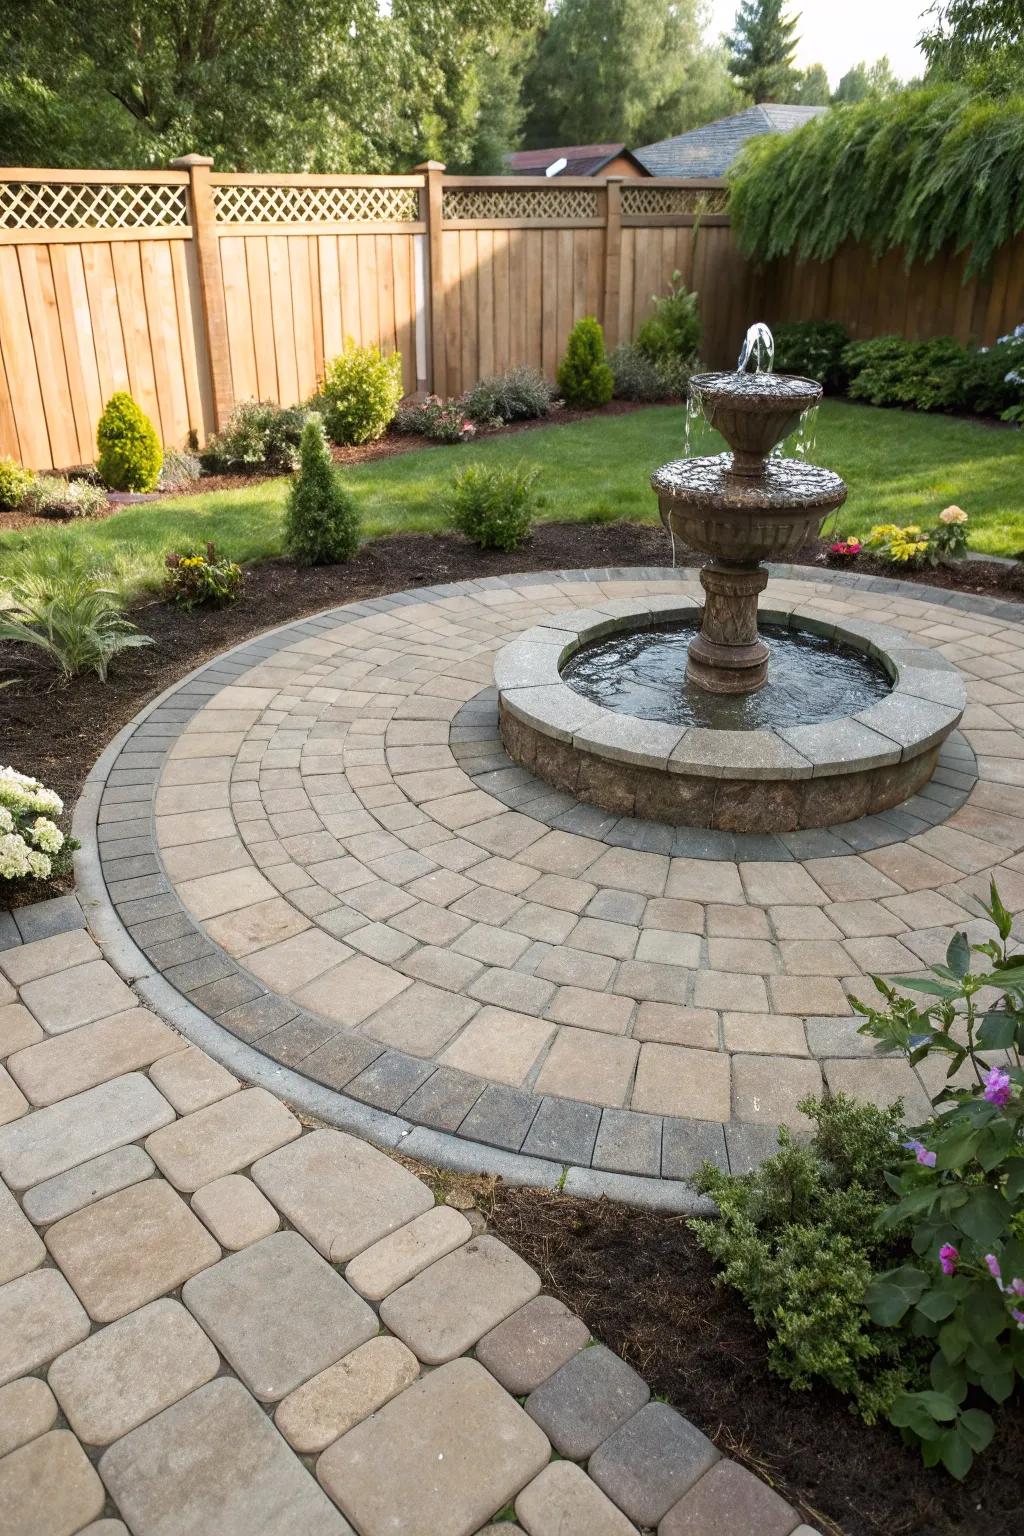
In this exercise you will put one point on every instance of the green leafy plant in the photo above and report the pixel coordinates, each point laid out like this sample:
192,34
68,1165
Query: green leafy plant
798,1238
814,349
637,377
994,382
362,388
928,375
321,519
443,421
15,484
180,470
259,435
130,455
960,1293
493,504
54,496
32,845
54,602
674,330
521,394
201,576
584,377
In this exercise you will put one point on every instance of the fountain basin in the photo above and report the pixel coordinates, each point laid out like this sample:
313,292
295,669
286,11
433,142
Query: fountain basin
765,780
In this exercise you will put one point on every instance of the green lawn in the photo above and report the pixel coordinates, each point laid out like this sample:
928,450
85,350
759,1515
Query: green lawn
900,468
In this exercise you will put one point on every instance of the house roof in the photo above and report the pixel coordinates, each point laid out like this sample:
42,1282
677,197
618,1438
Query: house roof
581,159
710,150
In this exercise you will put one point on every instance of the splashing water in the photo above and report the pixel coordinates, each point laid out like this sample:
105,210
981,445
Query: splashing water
801,442
759,346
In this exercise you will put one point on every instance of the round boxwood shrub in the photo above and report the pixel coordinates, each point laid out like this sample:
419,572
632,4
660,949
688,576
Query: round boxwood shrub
584,377
362,388
130,453
321,520
15,484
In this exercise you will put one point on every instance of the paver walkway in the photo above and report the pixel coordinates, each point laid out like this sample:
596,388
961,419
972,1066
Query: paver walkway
218,1321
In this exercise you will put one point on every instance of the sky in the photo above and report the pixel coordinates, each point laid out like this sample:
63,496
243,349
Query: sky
839,34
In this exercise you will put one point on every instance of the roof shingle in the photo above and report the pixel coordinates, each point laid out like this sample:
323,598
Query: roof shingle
710,150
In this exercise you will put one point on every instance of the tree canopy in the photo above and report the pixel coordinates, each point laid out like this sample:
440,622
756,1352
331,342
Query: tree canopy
762,48
976,39
865,80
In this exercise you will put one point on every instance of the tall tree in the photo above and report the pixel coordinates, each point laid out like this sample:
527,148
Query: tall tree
762,46
865,80
623,71
811,87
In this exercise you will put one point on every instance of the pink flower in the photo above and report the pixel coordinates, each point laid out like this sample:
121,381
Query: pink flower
992,1265
921,1152
998,1088
949,1258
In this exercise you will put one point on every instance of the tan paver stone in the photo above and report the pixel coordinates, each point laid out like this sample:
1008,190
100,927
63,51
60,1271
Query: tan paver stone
48,1488
44,957
766,1090
235,1211
563,1501
17,1029
673,1080
561,892
353,990
21,1249
67,999
582,1064
340,1193
7,992
528,1347
576,968
666,946
103,1175
457,1447
279,1313
563,853
766,884
728,1497
336,1399
57,1068
733,922
600,937
802,922
498,1044
734,993
671,1024
212,895
130,1248
124,1374
13,1102
908,868
191,1080
626,870
754,957
207,1464
601,1011
255,927
705,880
810,996
40,1316
386,1265
853,878
27,1409
106,1528
770,1034
297,961
221,1138
77,1129
883,956
446,1308
865,919
879,1082
420,1020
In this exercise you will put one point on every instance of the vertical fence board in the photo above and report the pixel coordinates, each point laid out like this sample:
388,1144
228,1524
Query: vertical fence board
79,353
238,309
44,323
20,363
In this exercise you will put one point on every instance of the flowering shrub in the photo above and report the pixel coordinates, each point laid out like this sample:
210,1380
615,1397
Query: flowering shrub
179,471
258,435
902,546
444,421
961,1289
949,538
53,496
844,551
32,846
199,576
521,394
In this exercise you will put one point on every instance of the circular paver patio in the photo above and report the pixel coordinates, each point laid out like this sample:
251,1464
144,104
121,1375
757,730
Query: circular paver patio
320,842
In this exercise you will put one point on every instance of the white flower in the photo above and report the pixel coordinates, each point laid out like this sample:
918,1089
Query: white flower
953,515
39,864
46,835
14,857
6,820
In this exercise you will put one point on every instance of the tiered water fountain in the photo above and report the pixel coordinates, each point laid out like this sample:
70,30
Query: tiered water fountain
726,715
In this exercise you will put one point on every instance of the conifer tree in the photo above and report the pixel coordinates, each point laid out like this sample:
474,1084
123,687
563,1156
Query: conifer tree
762,47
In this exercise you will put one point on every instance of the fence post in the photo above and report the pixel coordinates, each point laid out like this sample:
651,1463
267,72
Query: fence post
433,172
211,286
612,258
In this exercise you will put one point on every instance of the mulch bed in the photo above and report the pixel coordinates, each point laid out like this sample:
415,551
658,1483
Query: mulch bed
644,1287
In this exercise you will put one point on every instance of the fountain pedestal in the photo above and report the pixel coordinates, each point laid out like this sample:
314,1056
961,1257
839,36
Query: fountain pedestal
728,656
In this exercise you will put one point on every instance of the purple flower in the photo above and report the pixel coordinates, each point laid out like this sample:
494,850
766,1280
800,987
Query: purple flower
920,1151
992,1265
998,1088
949,1258
1018,1317
1016,1286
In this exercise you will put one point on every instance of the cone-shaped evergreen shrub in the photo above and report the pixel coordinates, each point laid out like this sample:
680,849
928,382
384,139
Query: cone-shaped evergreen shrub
321,521
130,453
584,377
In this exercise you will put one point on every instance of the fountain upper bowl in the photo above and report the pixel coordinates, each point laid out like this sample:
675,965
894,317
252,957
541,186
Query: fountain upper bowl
753,411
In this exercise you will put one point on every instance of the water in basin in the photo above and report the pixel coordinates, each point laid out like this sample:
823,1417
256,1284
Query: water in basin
810,679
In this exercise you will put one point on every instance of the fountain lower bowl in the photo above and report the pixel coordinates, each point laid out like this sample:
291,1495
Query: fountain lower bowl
741,518
764,780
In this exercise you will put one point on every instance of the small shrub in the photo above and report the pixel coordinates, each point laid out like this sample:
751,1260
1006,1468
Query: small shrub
15,484
130,455
363,388
321,520
201,576
443,421
674,330
584,377
844,551
493,504
637,377
60,606
32,845
521,394
994,383
53,496
259,435
928,375
948,538
180,470
814,349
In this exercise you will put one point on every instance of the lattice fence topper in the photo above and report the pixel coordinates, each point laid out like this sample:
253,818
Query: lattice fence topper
519,203
90,205
646,198
315,205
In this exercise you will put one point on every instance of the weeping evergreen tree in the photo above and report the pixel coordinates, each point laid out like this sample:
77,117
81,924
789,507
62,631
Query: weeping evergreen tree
762,48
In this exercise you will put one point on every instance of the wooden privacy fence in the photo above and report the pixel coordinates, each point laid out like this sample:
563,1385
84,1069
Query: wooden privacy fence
195,290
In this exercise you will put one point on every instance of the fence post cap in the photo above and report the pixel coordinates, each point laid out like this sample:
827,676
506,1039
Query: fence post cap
431,165
185,162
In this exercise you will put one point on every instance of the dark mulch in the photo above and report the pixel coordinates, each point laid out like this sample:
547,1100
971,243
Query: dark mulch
645,1288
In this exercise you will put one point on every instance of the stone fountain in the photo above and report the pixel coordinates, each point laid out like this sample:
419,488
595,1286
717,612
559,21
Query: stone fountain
664,709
